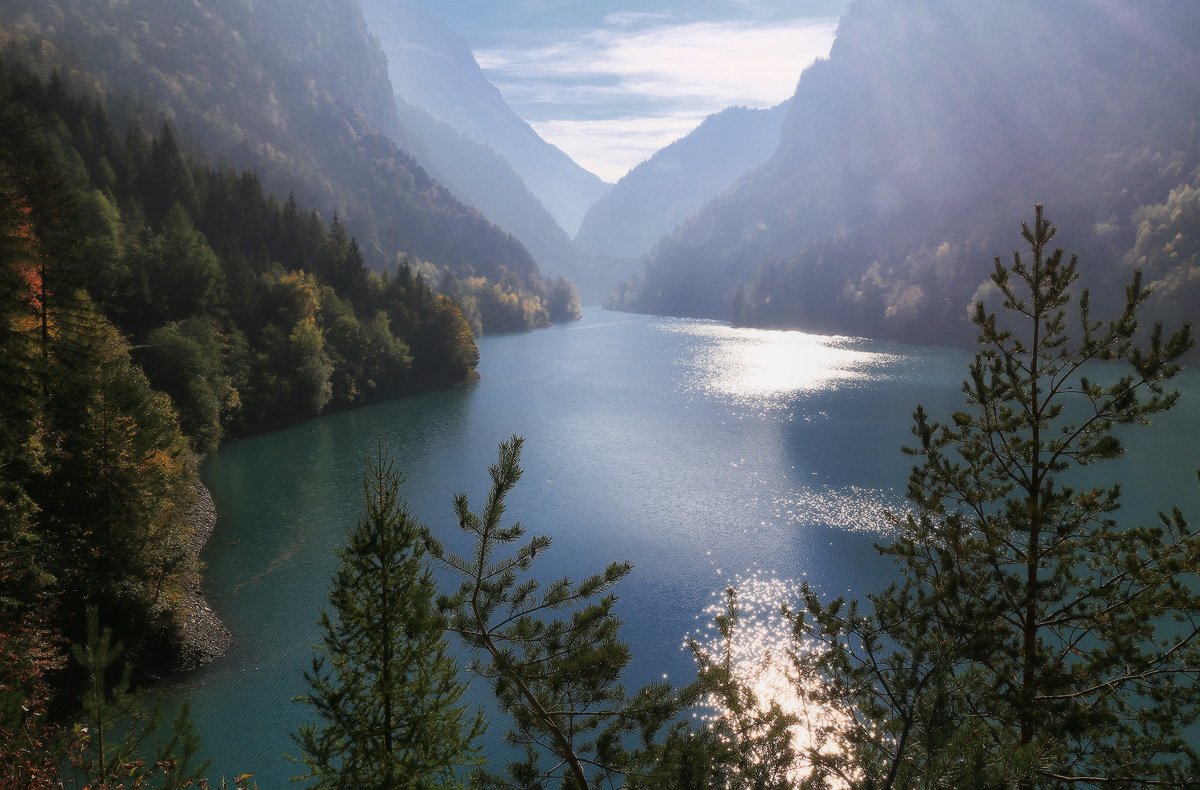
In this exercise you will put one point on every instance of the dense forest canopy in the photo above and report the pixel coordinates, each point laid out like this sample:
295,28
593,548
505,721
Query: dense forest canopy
152,305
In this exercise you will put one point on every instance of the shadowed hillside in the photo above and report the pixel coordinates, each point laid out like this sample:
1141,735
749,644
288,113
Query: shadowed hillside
676,182
296,90
906,153
433,68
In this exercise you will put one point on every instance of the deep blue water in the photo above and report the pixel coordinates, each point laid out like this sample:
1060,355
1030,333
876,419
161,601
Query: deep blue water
706,455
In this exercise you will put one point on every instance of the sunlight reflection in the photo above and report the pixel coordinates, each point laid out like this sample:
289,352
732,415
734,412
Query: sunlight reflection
762,367
763,653
850,508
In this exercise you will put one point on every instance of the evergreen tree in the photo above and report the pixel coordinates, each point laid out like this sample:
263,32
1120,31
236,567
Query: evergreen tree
1033,640
109,749
167,177
117,480
22,363
385,690
557,677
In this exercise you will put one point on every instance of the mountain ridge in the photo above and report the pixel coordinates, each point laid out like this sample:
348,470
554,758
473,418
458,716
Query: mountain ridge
433,68
910,154
297,91
483,178
677,180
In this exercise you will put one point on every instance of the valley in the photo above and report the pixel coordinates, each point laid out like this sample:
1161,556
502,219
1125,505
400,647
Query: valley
841,320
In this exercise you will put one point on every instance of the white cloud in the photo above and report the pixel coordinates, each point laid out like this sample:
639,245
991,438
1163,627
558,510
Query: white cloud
587,91
726,64
610,147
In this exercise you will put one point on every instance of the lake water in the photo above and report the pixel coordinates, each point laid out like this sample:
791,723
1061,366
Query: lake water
707,455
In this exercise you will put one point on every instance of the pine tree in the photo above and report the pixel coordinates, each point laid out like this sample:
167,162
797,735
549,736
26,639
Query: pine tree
1034,640
110,747
184,273
558,677
167,179
383,686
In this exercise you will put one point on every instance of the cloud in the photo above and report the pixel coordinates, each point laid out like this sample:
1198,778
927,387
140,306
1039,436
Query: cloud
722,62
626,19
588,89
610,147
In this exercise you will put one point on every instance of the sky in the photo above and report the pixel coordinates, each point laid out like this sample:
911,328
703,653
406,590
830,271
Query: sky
612,81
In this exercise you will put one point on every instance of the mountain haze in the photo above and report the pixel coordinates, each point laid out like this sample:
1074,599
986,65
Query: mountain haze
294,89
480,176
433,68
910,155
653,198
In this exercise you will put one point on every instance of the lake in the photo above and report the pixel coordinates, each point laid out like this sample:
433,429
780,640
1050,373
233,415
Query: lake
705,454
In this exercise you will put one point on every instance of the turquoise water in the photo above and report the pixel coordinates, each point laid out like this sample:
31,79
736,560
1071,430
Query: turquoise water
706,455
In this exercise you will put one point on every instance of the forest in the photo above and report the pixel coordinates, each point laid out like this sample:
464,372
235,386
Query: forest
209,230
152,307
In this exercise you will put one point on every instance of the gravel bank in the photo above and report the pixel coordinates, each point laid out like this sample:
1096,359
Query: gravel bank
202,636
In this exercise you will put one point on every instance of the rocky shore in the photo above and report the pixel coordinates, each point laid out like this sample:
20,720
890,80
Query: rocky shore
202,636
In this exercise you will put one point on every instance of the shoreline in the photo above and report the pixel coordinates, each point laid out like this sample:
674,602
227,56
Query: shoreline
202,637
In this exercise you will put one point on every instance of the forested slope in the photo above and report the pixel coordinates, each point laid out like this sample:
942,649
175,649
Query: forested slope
295,89
150,305
930,125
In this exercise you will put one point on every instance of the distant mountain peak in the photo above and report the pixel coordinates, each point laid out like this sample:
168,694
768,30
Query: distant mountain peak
295,89
674,183
910,153
432,67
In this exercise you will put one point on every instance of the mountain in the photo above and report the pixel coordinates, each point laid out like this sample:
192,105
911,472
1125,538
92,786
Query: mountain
151,305
479,175
909,156
653,198
295,89
432,67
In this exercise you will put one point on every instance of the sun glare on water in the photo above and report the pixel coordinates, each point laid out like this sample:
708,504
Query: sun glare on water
763,653
782,375
771,374
765,368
